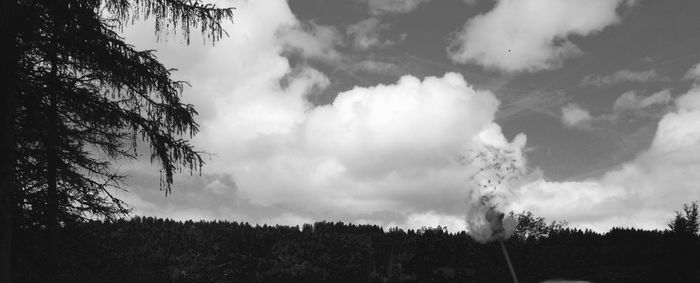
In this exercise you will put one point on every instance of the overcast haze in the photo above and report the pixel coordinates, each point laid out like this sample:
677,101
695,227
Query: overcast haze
360,111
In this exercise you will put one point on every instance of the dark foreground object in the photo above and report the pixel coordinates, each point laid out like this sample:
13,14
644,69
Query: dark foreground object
156,250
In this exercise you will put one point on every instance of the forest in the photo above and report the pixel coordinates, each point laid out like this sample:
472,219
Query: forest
146,249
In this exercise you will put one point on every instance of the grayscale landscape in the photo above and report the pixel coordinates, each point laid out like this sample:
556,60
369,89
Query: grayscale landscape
350,141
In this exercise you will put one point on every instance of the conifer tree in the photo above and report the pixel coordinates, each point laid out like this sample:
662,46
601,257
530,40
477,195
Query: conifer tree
83,98
686,222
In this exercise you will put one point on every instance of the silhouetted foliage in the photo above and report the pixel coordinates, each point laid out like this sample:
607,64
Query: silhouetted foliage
532,228
101,97
82,98
145,249
687,222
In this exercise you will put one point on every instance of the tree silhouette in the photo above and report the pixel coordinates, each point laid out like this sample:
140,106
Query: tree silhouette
687,222
79,98
145,249
685,244
531,228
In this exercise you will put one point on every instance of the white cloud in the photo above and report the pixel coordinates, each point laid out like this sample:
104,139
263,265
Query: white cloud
291,219
431,219
377,67
530,35
574,115
693,73
374,149
221,187
623,76
382,154
629,107
366,35
641,193
393,6
690,100
389,147
313,41
382,128
631,101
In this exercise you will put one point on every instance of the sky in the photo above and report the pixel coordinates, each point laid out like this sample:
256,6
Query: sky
370,111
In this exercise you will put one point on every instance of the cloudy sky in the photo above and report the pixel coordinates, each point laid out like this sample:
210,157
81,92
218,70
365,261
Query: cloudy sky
364,111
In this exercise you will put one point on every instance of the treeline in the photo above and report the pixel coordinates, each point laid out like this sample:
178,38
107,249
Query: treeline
161,250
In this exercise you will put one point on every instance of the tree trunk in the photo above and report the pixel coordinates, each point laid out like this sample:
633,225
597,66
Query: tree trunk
52,190
51,150
7,130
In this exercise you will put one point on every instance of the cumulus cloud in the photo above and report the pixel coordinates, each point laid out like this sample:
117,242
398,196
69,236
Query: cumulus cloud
690,100
641,193
530,35
388,147
376,148
623,76
385,154
573,115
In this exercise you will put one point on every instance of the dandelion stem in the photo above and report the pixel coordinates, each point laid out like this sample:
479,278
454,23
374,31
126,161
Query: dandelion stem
510,265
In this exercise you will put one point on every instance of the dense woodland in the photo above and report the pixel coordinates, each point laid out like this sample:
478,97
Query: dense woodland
161,250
